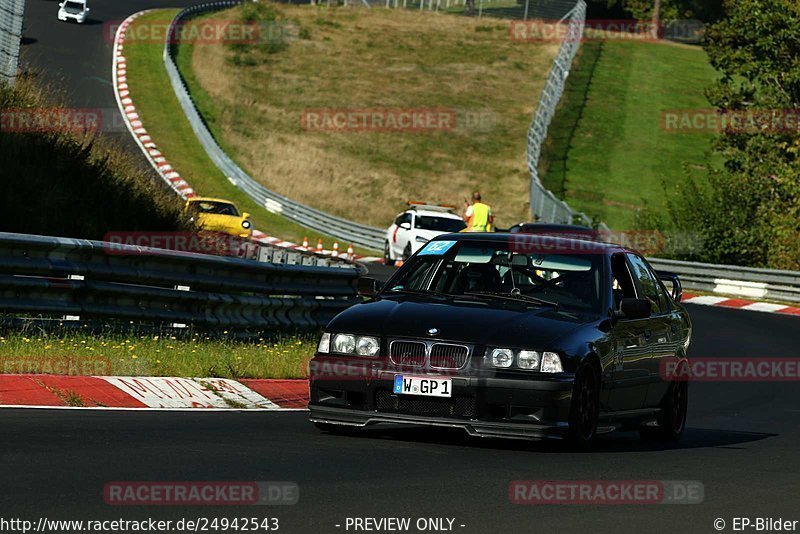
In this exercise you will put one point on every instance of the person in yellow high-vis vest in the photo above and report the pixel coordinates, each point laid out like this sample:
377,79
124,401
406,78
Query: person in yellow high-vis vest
477,215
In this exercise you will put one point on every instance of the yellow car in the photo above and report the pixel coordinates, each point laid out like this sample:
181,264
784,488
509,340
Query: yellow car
217,215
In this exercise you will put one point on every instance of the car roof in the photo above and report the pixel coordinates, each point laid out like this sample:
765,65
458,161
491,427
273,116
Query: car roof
210,199
553,242
553,226
434,213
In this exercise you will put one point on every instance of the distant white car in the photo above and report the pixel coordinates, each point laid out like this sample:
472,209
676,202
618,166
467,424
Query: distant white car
416,226
76,10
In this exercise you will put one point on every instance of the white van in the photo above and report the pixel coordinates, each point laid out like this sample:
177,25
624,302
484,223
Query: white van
76,10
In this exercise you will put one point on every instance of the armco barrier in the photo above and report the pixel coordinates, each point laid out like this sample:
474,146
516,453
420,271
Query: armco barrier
769,284
54,276
359,234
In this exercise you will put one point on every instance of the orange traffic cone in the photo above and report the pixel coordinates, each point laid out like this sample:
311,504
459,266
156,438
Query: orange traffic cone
350,252
319,245
335,252
305,242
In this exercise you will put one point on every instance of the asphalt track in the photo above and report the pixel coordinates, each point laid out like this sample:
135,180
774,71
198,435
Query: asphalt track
742,441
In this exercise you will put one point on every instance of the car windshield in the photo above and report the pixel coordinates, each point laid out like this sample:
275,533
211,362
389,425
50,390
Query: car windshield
214,208
497,271
439,224
73,7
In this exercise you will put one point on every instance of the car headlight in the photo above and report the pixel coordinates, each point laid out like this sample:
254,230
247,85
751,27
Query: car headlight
501,358
551,363
367,346
528,359
324,343
344,343
246,224
419,239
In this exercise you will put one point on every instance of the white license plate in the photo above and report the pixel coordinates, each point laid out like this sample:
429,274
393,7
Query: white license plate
422,385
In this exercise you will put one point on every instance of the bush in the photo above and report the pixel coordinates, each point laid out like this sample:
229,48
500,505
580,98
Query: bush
74,184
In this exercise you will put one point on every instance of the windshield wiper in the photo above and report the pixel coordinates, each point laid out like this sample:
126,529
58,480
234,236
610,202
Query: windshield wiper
438,294
517,297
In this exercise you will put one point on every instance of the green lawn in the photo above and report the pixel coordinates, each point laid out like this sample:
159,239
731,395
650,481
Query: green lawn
79,353
255,98
163,117
607,153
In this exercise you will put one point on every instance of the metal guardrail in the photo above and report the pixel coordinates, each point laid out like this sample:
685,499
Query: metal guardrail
545,206
769,284
11,12
358,234
54,276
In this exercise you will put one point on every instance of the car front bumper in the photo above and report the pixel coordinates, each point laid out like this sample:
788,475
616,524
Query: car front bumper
519,407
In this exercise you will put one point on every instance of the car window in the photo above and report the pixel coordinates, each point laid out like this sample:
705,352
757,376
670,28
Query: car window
403,218
439,224
622,284
416,279
571,280
214,208
646,282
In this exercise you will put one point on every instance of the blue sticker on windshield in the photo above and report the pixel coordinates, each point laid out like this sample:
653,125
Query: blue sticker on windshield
436,248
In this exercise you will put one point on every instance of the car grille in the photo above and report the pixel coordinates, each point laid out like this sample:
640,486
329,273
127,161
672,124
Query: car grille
445,356
437,355
408,353
456,406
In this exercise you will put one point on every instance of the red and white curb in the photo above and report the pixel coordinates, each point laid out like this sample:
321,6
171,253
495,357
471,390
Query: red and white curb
133,392
739,304
157,160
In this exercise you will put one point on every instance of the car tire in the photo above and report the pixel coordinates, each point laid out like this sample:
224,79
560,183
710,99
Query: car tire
387,260
584,410
671,421
407,252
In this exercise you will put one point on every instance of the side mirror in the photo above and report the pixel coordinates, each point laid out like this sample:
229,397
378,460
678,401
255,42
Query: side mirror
672,283
634,309
245,215
405,226
368,287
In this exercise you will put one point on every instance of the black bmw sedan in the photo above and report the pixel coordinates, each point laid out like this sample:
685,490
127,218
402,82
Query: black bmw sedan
510,335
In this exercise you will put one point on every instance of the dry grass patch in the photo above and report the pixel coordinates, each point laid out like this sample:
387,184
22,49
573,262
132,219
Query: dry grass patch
346,58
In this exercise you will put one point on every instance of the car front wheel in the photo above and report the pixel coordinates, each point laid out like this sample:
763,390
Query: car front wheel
585,407
387,259
407,252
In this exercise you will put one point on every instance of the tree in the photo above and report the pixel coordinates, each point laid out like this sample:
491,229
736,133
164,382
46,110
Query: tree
749,211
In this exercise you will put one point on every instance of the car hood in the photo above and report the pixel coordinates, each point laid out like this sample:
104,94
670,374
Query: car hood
215,221
482,323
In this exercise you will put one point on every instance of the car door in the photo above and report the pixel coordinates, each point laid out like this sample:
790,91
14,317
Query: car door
630,373
658,329
399,236
403,233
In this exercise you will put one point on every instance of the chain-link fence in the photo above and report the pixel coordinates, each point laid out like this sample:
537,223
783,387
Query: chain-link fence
10,35
509,9
545,206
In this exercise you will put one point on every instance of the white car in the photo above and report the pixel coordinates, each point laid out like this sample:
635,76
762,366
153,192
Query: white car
76,10
416,226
